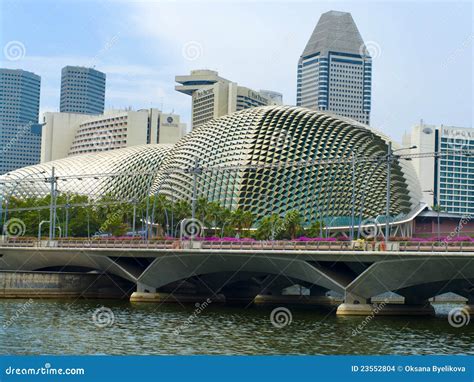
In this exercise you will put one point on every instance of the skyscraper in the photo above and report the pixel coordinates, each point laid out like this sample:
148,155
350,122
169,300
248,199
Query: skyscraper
214,96
335,69
20,133
447,180
82,90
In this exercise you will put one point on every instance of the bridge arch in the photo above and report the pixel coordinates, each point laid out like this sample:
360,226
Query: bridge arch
171,268
405,276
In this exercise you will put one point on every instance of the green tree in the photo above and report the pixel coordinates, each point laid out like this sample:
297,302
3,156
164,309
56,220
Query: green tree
293,223
270,227
242,221
315,229
115,223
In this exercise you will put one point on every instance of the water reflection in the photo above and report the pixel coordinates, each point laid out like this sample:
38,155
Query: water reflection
62,327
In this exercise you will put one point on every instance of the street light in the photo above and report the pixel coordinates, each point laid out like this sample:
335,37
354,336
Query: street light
436,204
390,158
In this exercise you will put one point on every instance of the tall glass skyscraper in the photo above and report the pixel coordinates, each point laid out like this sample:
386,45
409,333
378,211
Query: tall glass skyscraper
20,133
82,90
335,69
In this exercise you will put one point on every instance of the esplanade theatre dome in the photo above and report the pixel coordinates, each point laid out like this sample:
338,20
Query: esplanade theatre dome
274,159
123,174
265,160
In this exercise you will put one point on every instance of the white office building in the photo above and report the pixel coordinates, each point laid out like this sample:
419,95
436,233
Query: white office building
446,179
214,96
68,134
335,69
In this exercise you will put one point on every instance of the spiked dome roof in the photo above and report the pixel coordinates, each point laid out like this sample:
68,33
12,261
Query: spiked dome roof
292,158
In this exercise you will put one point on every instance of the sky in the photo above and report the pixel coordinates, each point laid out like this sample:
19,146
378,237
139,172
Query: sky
422,51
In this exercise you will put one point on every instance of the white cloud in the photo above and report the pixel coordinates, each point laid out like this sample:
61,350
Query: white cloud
243,42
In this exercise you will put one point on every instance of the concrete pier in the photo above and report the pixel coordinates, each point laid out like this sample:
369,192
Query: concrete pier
385,310
159,297
62,285
469,309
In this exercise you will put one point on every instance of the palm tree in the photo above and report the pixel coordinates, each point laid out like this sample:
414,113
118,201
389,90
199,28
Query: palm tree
239,219
213,216
202,209
315,229
247,221
293,223
270,227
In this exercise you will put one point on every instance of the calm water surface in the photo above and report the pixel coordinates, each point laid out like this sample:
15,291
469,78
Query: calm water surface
62,327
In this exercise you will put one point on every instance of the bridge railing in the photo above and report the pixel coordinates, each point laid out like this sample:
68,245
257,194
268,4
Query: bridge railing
281,245
162,244
277,245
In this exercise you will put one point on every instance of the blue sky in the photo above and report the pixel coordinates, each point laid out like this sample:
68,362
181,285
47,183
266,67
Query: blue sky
422,62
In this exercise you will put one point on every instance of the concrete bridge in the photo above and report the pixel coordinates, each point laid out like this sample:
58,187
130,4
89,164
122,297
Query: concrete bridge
170,271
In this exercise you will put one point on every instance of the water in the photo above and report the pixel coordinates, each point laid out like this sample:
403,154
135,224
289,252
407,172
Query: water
66,327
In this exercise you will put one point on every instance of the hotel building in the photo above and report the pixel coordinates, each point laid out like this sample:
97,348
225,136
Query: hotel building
214,96
68,134
447,179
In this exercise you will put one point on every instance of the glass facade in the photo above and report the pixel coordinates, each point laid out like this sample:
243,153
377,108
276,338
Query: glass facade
335,69
82,90
20,133
456,174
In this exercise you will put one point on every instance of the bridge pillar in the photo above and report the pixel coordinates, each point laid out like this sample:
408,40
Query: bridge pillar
144,293
359,306
470,305
143,288
317,297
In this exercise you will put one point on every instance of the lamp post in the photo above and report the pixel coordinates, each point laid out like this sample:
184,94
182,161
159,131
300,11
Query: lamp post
195,170
435,205
353,196
52,205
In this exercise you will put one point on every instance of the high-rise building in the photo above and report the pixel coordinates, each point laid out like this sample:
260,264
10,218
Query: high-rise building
20,133
446,179
82,90
68,134
335,69
214,96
